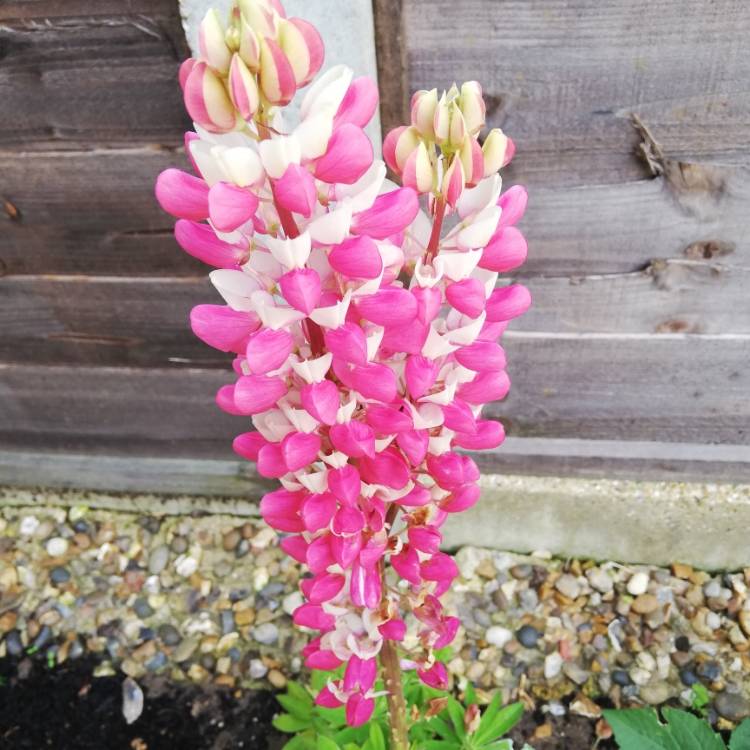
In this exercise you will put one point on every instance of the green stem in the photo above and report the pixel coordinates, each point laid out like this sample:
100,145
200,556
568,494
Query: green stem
396,702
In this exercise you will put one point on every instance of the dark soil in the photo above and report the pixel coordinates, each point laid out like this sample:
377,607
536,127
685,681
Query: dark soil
65,708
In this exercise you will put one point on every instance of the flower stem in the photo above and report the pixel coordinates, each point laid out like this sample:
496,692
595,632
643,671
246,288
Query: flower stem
437,225
396,701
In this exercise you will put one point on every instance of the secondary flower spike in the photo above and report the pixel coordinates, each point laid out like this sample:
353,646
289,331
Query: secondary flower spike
364,330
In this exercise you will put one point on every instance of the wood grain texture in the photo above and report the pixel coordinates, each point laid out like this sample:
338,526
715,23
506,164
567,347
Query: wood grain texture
596,388
104,321
74,80
390,48
89,213
563,78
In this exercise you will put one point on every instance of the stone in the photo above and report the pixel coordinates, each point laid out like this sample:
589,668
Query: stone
732,706
185,565
680,570
179,545
59,575
743,616
57,546
552,665
13,643
158,559
257,669
486,568
142,608
575,672
522,571
638,583
231,539
621,677
682,643
185,649
244,617
655,694
267,633
277,678
568,586
600,580
645,604
688,677
169,634
132,700
528,636
498,636
291,602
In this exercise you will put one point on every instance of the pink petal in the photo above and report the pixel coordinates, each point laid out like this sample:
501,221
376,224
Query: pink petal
451,470
488,435
459,417
417,497
348,156
387,420
360,674
506,250
387,468
277,81
313,616
314,50
467,296
345,484
200,241
318,511
346,549
300,449
347,342
390,213
267,350
320,554
281,510
486,386
355,439
271,462
327,699
375,381
230,206
429,302
359,710
322,588
326,661
359,103
301,289
254,394
296,547
508,302
449,631
435,677
425,539
348,521
356,258
420,374
406,564
366,586
510,151
225,400
407,339
481,356
248,444
513,202
462,499
391,306
321,400
186,68
439,567
223,328
243,88
182,195
207,100
393,630
295,190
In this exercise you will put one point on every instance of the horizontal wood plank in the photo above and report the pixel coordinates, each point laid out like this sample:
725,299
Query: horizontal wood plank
674,388
564,77
91,78
88,213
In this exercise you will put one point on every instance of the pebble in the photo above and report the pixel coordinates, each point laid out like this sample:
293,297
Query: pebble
186,565
179,545
645,604
258,670
621,677
732,706
655,694
688,677
569,586
528,636
266,634
169,634
638,583
13,643
59,575
185,649
498,636
57,546
682,643
575,672
158,559
142,608
291,602
276,678
552,665
600,580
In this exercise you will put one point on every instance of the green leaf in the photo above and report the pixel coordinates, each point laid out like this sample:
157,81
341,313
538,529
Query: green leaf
440,745
300,693
470,695
741,737
442,728
300,742
639,729
325,743
296,707
498,721
690,732
501,745
376,739
290,724
456,712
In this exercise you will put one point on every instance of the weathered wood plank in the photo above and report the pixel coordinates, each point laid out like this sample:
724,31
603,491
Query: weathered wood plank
44,9
109,320
91,79
104,321
92,213
673,388
390,48
564,77
669,296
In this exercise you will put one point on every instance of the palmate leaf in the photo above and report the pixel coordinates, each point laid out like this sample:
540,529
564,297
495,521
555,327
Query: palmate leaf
690,732
497,721
741,737
639,729
456,712
296,707
290,724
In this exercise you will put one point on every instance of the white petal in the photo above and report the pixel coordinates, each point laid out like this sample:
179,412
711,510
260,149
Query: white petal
264,264
484,194
313,135
290,252
242,164
317,482
276,317
368,287
374,337
210,168
278,153
363,192
437,345
302,421
488,278
333,227
336,459
444,397
427,416
236,287
383,443
346,410
272,424
427,276
313,370
457,266
333,316
440,444
467,334
480,229
327,92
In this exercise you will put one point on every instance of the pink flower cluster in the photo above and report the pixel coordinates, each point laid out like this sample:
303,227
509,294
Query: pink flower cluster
365,337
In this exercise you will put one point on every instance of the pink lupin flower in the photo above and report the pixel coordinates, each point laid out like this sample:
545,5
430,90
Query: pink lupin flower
364,330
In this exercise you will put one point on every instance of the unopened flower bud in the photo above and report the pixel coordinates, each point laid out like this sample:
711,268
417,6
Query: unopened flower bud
277,81
441,120
243,88
472,106
453,182
472,160
418,170
249,45
457,131
211,42
497,150
448,123
423,105
301,43
207,101
398,146
262,18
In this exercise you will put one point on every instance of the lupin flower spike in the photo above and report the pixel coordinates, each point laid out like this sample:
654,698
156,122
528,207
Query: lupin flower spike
365,337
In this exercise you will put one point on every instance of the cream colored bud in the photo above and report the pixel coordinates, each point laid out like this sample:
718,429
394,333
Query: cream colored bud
211,42
494,150
472,106
423,105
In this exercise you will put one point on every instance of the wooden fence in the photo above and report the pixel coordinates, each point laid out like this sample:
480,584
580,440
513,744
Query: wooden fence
632,120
